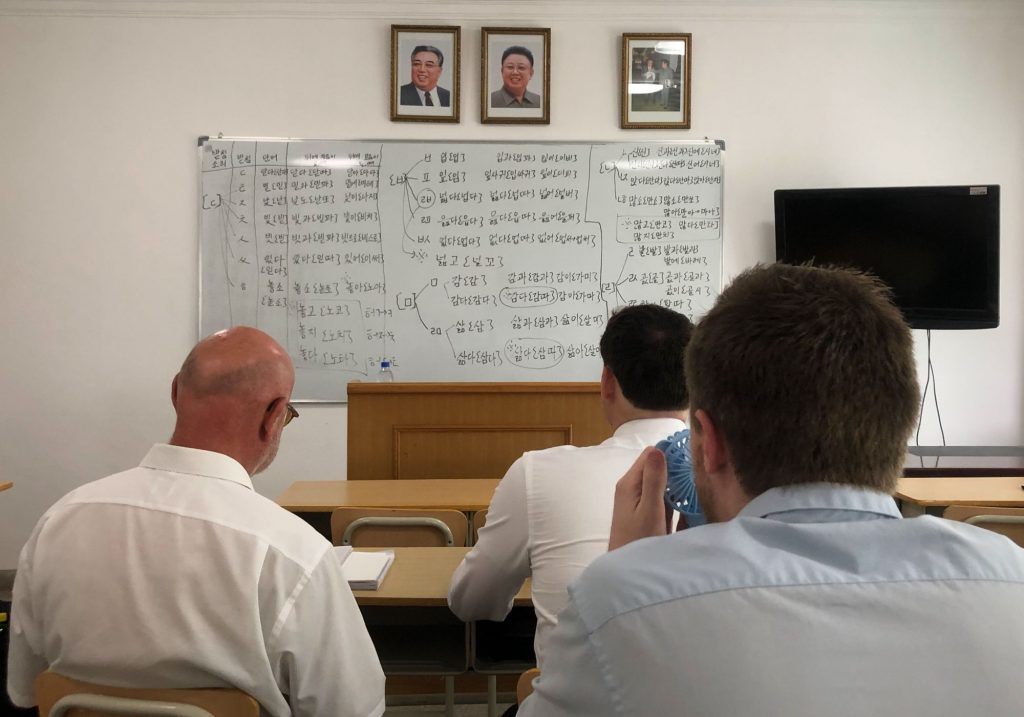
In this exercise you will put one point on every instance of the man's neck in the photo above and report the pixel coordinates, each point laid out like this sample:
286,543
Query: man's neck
186,439
637,414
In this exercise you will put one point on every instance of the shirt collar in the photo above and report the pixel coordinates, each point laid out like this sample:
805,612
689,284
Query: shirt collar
193,461
645,426
820,496
510,99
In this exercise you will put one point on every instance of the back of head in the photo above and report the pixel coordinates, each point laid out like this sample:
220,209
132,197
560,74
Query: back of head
809,375
227,387
644,346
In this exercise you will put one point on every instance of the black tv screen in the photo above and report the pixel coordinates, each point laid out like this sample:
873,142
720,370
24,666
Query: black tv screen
936,247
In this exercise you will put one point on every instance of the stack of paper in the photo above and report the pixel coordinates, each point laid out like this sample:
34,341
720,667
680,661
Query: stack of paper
364,570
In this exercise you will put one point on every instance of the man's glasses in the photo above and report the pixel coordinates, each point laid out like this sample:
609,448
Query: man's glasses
291,413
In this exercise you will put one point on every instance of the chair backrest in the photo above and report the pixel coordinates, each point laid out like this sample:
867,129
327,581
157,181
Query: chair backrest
524,687
479,521
1006,521
60,696
395,528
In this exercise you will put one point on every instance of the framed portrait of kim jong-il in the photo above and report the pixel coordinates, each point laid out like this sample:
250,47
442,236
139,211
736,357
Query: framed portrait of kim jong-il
656,81
425,73
515,76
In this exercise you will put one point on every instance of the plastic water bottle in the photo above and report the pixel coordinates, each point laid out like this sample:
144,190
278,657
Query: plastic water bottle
385,375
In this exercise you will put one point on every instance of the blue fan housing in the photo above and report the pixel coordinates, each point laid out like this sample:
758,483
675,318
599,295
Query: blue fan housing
681,494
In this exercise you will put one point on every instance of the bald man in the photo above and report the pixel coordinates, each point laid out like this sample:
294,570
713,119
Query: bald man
177,574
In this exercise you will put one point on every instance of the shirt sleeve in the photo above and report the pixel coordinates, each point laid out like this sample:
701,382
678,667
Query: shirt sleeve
486,582
25,659
322,656
572,682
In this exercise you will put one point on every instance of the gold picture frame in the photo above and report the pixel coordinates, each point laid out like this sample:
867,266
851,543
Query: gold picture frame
656,80
515,75
425,73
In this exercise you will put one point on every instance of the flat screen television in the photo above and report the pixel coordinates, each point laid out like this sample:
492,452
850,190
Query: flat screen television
936,247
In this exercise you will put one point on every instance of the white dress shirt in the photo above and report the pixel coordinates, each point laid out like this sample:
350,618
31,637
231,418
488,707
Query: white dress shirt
178,574
816,600
423,96
550,517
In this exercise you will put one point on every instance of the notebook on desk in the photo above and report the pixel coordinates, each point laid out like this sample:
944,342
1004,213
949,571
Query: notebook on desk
364,570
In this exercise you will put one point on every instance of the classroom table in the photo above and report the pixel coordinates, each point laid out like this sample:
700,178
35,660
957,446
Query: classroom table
412,628
920,494
314,501
465,494
420,577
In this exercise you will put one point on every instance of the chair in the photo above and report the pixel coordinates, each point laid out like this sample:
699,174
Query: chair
479,520
503,648
394,527
524,687
1005,521
420,641
60,696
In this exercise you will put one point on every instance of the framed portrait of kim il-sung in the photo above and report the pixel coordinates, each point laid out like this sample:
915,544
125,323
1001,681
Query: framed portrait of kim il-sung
425,73
515,75
656,81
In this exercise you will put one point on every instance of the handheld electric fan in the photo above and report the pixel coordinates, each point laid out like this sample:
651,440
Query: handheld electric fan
681,494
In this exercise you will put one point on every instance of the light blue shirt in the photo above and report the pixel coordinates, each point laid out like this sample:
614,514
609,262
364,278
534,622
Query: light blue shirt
816,600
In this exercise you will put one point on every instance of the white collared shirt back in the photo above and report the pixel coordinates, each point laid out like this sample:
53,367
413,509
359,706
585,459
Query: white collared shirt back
177,574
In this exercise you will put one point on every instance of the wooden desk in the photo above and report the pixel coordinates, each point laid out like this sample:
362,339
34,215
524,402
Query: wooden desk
465,494
5,485
412,628
918,494
420,577
315,500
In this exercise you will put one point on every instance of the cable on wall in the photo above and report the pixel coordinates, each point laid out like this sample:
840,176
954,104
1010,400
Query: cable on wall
930,380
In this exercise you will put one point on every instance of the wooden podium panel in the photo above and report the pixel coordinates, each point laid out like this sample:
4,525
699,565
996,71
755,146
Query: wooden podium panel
464,430
434,452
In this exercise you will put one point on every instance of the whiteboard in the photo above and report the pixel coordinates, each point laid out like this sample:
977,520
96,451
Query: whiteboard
455,261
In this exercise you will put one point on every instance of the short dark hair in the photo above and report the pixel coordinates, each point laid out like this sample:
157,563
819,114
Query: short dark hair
644,346
809,375
517,50
428,48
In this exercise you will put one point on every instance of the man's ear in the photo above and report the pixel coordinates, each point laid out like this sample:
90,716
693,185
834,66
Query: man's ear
174,392
609,384
711,440
272,417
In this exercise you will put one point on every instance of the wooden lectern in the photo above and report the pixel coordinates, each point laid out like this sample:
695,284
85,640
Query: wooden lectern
464,430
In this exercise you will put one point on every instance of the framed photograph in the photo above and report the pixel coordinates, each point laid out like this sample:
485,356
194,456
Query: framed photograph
515,76
425,73
656,81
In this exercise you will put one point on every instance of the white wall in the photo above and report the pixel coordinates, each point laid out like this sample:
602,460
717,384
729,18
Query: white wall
101,103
